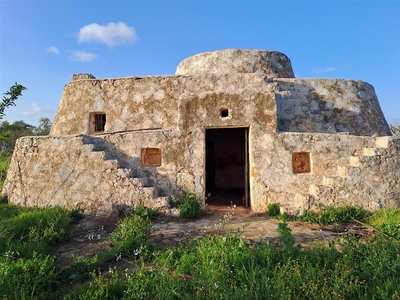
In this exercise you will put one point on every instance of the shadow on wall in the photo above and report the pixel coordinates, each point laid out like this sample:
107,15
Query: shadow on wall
329,106
85,172
163,183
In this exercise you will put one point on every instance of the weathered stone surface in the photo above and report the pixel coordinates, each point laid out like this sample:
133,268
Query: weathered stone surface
270,63
337,123
76,172
82,76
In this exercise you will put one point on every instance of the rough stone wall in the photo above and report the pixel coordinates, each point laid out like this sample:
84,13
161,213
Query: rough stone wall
329,106
302,105
269,63
138,103
346,170
170,115
105,173
76,172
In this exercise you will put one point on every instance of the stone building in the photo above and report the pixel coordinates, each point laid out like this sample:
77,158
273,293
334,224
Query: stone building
232,126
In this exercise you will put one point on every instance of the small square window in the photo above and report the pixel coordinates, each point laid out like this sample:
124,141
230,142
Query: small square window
301,162
98,122
151,157
224,113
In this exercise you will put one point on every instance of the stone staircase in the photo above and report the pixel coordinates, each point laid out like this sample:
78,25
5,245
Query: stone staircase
125,175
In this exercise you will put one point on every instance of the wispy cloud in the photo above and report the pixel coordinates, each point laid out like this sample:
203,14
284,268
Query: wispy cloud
52,49
112,34
83,56
326,70
35,110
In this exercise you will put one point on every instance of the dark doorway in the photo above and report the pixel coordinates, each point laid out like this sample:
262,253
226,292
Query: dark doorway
227,167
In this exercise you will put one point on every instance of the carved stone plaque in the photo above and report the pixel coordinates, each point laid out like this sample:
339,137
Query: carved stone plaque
151,157
301,162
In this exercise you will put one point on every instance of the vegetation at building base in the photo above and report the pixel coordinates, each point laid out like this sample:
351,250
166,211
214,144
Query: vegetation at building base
211,268
189,205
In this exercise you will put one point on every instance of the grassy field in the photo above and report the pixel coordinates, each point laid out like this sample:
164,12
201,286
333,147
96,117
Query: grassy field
212,268
4,163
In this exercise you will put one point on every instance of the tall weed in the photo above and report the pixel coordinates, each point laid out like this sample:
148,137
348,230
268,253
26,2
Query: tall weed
387,220
329,215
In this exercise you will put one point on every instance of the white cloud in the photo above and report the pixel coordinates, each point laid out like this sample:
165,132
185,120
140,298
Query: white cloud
112,34
35,110
52,49
326,70
83,56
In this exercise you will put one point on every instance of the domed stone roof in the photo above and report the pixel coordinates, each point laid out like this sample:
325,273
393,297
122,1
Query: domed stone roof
271,63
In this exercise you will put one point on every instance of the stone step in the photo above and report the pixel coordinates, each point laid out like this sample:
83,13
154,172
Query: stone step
111,163
149,192
100,155
160,203
124,172
140,181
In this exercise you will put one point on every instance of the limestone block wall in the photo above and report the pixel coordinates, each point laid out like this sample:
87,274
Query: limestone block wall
329,106
345,170
106,173
76,172
138,103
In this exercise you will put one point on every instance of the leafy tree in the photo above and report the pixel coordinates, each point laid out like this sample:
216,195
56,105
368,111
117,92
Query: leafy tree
9,100
11,132
395,127
10,97
44,127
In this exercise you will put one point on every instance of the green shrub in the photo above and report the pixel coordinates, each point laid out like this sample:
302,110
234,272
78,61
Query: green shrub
331,215
189,206
146,212
131,235
273,209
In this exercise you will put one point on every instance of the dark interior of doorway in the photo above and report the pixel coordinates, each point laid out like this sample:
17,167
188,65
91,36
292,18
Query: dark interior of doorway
226,163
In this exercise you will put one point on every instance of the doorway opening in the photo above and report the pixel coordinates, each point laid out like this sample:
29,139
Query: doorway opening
227,176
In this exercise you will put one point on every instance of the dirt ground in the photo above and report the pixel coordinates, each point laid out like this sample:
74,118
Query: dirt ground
90,234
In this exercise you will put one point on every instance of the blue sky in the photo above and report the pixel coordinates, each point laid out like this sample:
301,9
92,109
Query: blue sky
42,43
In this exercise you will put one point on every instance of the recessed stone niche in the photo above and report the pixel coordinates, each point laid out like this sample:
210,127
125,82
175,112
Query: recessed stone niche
224,112
151,157
301,162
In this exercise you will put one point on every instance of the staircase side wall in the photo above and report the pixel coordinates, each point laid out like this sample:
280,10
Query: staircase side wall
62,171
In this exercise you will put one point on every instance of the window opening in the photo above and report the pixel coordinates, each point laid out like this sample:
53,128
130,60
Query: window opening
99,122
224,113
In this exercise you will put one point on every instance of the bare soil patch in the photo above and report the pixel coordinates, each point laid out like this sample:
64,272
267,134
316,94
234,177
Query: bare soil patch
90,233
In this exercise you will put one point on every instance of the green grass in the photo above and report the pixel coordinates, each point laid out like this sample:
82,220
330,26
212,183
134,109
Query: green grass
211,268
387,220
4,164
329,215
